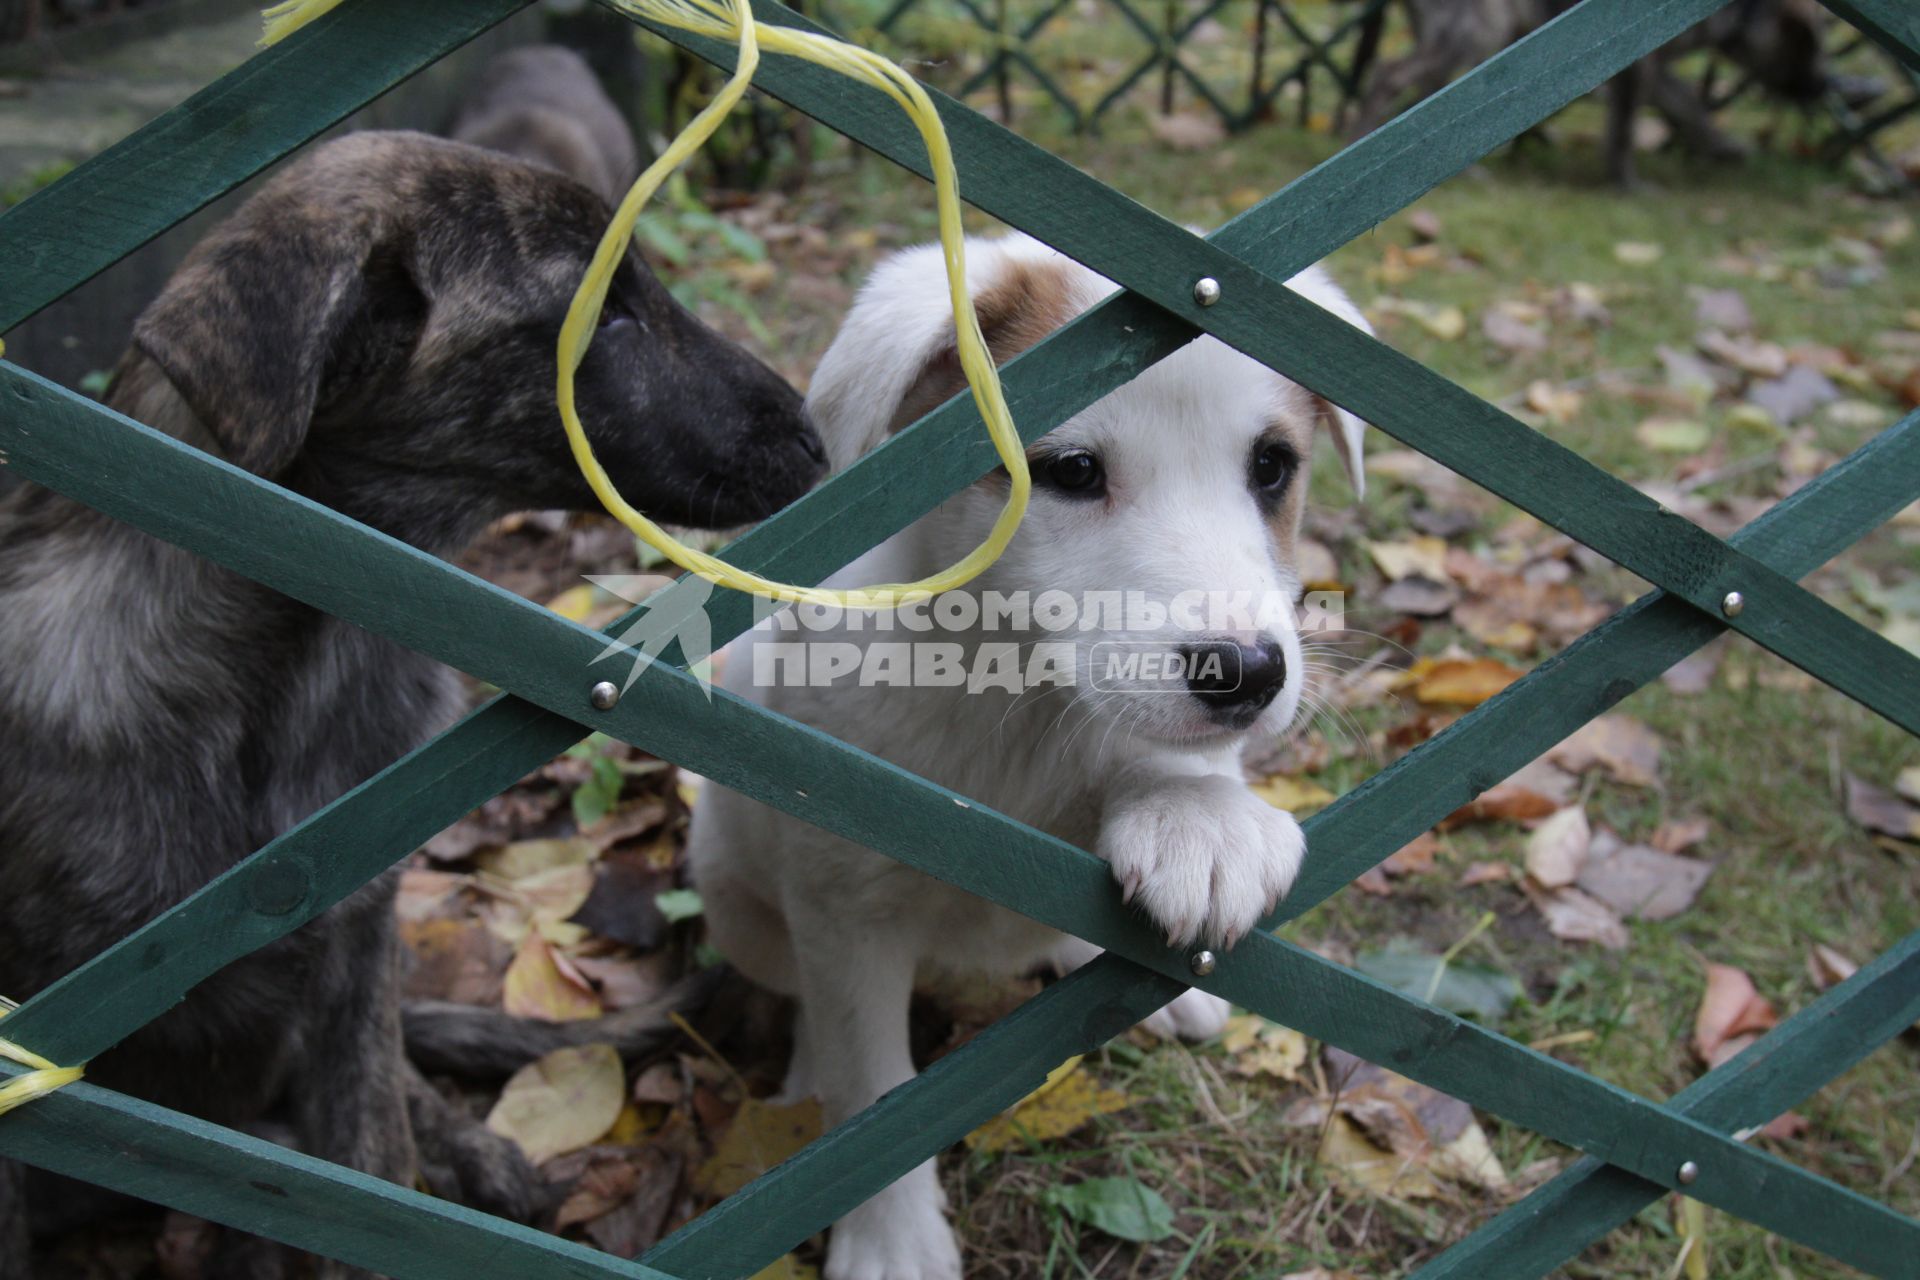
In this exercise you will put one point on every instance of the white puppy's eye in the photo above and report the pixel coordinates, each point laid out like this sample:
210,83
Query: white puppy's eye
1273,465
1075,473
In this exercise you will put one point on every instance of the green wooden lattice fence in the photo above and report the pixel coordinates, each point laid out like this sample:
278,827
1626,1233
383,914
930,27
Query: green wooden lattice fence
1633,1147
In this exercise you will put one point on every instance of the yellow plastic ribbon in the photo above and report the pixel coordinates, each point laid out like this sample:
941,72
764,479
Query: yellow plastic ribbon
733,20
42,1080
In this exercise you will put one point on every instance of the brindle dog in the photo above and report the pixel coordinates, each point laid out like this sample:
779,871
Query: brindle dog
374,330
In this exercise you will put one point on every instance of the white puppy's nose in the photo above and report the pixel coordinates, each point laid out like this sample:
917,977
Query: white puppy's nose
1237,680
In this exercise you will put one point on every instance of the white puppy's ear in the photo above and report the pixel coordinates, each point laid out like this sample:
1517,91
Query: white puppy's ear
1348,432
896,357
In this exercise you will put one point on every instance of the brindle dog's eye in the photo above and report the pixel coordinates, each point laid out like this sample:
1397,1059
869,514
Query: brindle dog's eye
1273,466
1075,472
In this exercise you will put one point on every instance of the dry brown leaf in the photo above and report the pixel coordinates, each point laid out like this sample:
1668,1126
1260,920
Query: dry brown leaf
1189,131
1644,883
1577,916
1413,857
1693,673
458,960
1420,596
761,1136
1508,802
624,981
1881,811
1680,834
1557,848
541,984
609,1179
1464,682
1395,1136
1907,784
1069,1099
1487,873
1424,557
1506,329
1828,967
1443,320
562,1102
1761,359
1557,404
1731,1011
1619,744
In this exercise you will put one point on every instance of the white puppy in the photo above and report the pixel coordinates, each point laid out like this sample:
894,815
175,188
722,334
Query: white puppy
1103,711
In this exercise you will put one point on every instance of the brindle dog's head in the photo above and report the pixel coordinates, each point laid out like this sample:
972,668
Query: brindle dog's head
377,328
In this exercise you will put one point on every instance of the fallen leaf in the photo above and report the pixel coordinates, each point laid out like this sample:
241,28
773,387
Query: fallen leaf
1510,333
1508,802
1881,811
1907,784
1487,873
1557,848
1761,359
1724,309
1558,404
1067,1100
1622,746
538,986
1693,673
1673,435
1679,835
1420,596
761,1135
786,1267
1794,394
1424,223
1730,1009
1394,1136
1257,1047
561,1102
624,981
1124,1208
1424,557
459,960
1445,322
1459,988
1577,916
608,1179
1828,967
1644,883
1464,682
1373,882
1295,795
1636,253
524,858
1413,857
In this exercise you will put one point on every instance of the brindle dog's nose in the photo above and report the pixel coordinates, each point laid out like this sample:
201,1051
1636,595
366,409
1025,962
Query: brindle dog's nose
1231,677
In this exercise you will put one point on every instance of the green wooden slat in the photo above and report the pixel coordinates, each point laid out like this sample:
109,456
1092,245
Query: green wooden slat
64,235
1365,826
1270,322
1820,1042
1895,24
888,490
159,1155
365,578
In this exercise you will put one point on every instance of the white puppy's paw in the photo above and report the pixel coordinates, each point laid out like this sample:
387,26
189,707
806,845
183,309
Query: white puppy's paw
900,1234
1204,856
1193,1016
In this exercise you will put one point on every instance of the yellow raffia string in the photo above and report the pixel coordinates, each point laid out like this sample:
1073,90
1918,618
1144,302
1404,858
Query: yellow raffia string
732,20
42,1080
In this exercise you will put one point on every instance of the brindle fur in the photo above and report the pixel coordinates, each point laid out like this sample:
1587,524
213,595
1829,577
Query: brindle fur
375,329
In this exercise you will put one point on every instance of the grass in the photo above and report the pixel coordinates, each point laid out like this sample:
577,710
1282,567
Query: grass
1762,762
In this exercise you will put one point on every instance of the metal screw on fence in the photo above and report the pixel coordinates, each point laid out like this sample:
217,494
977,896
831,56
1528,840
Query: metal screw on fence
604,695
1206,291
1202,963
1733,604
1688,1173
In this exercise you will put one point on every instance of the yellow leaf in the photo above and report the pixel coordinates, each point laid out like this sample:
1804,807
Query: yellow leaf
1424,557
629,1127
574,604
1464,682
537,986
787,1268
524,858
761,1136
562,1102
1262,1048
1068,1100
1345,1149
1635,253
1295,795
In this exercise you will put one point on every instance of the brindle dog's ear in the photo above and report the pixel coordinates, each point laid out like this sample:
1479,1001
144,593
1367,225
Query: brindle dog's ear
248,327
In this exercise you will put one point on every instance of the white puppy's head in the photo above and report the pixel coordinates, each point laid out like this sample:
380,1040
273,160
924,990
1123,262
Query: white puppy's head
1167,513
